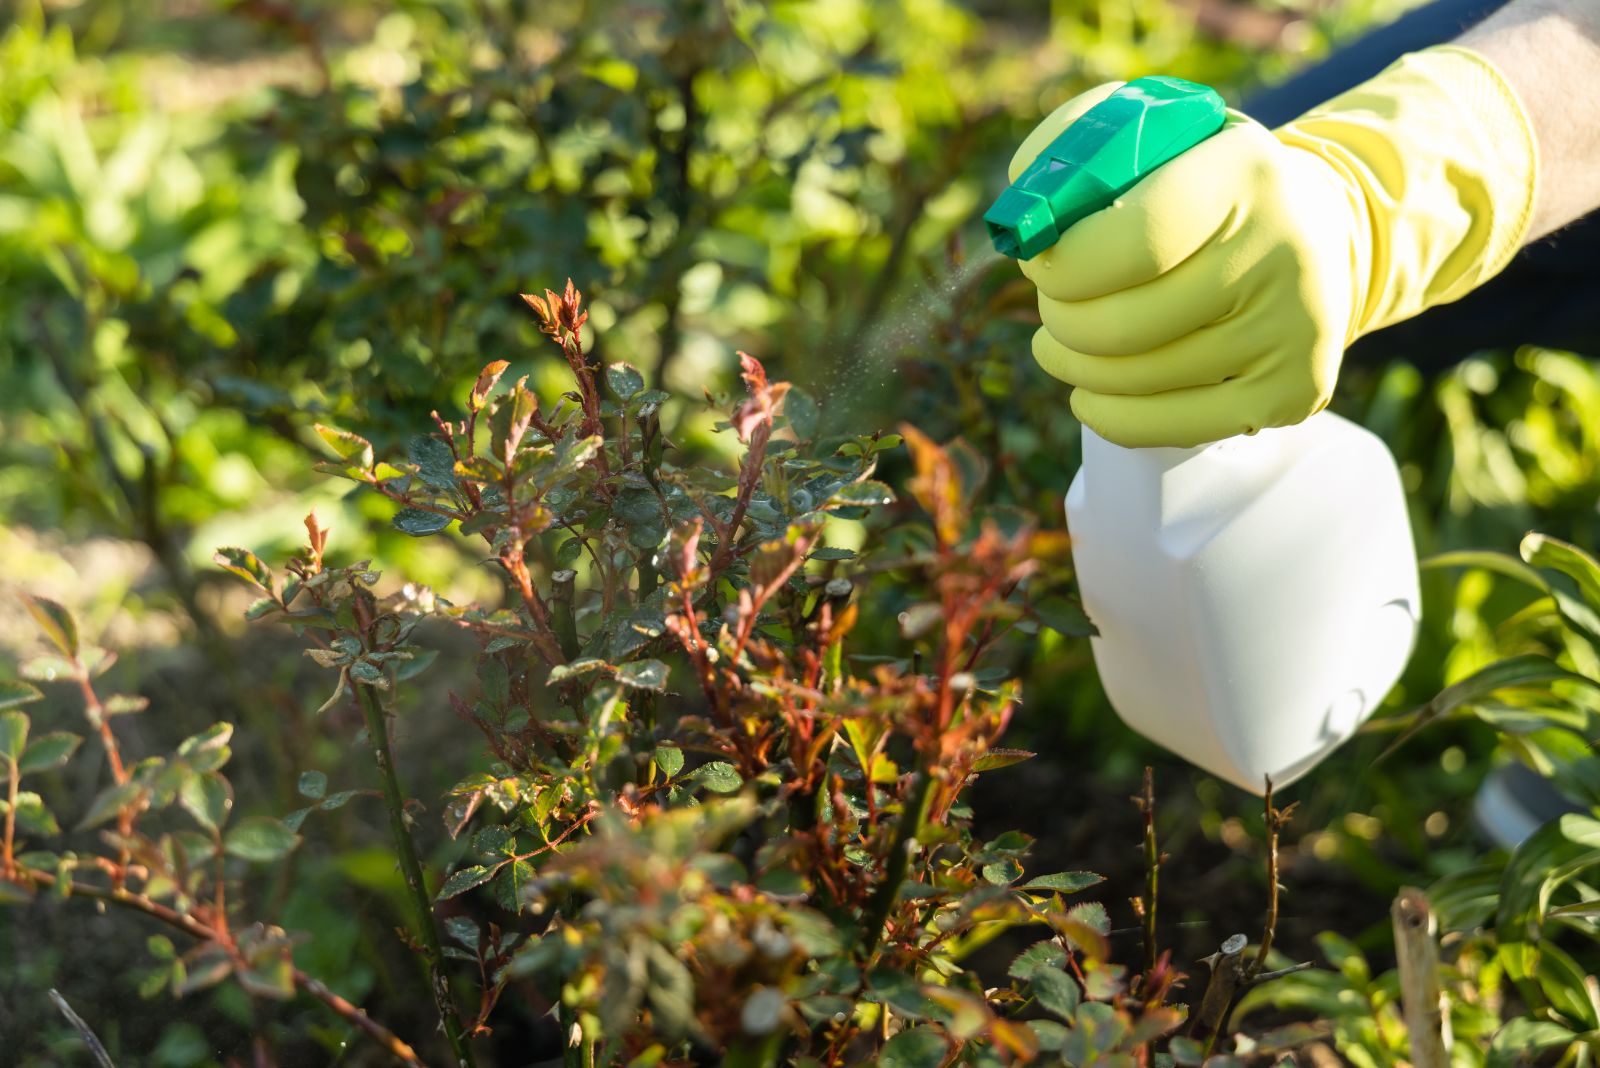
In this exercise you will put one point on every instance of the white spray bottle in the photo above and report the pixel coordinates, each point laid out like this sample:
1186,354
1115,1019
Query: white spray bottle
1257,597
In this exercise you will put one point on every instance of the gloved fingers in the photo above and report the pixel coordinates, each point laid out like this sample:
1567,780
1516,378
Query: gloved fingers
1183,418
1206,357
1135,321
1052,125
1180,208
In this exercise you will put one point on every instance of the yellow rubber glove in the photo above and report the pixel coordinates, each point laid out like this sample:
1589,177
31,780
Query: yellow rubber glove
1218,295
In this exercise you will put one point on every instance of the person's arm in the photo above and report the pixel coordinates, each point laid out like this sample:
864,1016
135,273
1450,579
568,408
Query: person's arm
1549,50
1217,297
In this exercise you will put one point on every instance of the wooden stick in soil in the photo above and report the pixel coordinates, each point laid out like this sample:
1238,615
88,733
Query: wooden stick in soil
411,868
1427,1020
1227,974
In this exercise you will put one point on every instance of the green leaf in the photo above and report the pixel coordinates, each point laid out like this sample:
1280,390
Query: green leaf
1056,991
313,784
56,622
49,751
108,803
828,552
1517,672
1552,856
643,675
867,493
207,797
719,776
420,524
260,839
49,669
902,992
1042,954
211,966
1091,914
1065,617
14,692
352,448
625,381
1186,1051
669,758
1518,1040
1541,550
803,413
920,1047
995,759
122,704
419,662
211,740
1066,882
32,816
582,666
464,880
246,565
435,462
13,735
1002,872
1487,560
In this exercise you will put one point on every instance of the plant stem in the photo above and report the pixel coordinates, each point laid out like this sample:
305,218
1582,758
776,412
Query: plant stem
1152,865
90,1040
563,620
883,898
353,1014
411,868
12,777
1275,818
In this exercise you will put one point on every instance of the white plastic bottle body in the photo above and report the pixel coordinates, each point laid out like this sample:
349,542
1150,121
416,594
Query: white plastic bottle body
1255,598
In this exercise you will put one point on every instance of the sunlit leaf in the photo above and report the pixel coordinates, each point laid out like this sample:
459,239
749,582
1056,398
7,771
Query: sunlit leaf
56,623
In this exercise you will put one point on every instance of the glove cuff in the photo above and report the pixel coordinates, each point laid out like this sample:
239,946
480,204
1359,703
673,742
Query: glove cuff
1439,158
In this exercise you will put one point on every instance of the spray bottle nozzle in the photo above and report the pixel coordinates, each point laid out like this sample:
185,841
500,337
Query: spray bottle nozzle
1099,157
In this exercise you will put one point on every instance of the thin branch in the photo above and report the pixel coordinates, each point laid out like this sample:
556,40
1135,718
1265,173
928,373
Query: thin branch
98,1051
1276,820
353,1014
411,868
1152,866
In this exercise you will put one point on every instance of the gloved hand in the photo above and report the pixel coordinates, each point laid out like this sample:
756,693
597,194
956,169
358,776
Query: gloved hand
1218,295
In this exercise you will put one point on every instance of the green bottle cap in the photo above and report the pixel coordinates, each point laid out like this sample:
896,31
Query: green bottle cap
1098,158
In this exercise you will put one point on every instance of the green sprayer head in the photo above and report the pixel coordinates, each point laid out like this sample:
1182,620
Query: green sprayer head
1099,157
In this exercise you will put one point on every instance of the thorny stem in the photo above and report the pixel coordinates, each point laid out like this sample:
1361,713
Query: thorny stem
411,868
1275,819
353,1014
1152,865
883,898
